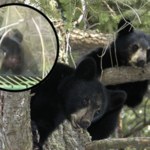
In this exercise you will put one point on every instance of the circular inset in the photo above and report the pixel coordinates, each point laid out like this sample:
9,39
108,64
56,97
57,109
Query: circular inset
28,47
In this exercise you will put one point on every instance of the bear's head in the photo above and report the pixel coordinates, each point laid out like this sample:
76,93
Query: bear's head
132,46
10,42
84,96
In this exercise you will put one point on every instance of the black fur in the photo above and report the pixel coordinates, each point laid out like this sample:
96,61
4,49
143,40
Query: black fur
67,91
121,49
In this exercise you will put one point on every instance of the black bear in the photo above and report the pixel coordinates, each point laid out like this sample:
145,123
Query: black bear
17,57
13,61
73,94
130,48
103,127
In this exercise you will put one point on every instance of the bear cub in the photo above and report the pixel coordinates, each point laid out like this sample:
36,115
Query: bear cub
130,48
13,61
73,94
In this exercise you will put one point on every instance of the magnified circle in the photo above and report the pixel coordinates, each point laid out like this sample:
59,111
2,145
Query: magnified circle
28,47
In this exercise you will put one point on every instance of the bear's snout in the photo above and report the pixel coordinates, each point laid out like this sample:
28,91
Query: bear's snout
85,124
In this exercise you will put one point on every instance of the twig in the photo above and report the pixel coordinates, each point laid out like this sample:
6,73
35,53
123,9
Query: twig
145,109
140,127
11,25
113,14
68,48
84,11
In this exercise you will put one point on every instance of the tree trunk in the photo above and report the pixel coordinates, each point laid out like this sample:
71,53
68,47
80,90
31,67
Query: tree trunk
15,130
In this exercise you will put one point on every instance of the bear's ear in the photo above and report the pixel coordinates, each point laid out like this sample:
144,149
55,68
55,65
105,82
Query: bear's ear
117,99
125,27
86,69
16,36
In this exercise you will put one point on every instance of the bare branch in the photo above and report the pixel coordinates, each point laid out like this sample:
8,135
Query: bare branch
84,11
112,12
138,128
117,143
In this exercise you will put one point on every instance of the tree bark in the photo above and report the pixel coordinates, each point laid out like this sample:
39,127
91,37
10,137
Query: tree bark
118,75
137,142
67,138
15,130
82,42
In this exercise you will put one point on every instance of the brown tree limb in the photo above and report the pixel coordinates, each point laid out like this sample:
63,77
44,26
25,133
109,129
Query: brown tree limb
83,42
117,143
118,75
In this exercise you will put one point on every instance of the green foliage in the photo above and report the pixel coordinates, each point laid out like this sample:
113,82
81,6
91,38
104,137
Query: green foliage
100,15
137,119
47,7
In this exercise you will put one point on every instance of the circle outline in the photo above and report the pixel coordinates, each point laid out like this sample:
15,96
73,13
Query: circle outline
57,41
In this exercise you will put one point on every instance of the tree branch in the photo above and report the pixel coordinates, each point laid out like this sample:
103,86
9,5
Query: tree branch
83,42
106,144
118,75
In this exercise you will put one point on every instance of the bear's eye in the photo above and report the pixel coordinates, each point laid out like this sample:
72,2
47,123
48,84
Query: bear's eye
135,47
86,101
97,113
